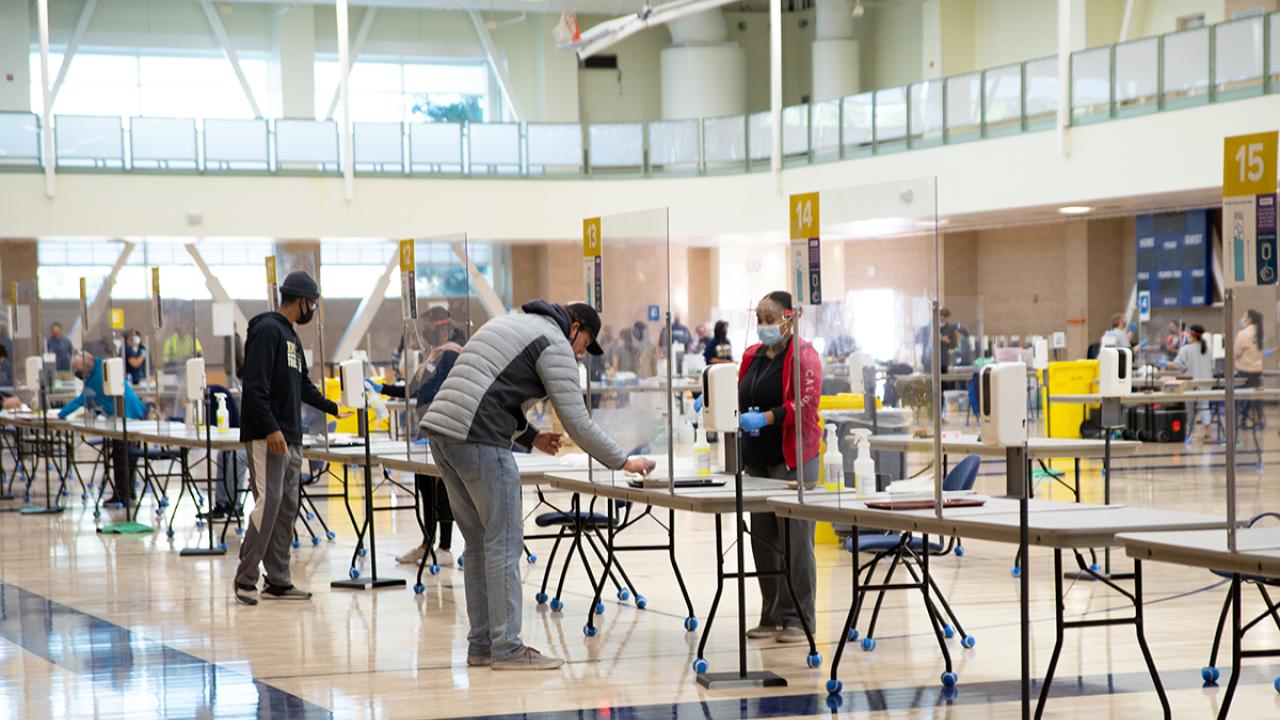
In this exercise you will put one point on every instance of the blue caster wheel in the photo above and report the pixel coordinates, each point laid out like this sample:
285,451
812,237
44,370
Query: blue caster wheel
160,512
84,496
556,605
164,502
948,632
868,644
434,569
315,540
949,679
588,631
1016,572
239,530
222,547
600,608
296,544
700,665
959,551
814,660
311,515
540,598
848,544
624,594
363,552
1210,675
968,641
533,558
459,561
419,588
89,487
1276,684
169,533
26,498
641,602
834,702
1095,567
690,624
199,501
354,573
853,634
331,534
199,524
834,687
63,493
97,513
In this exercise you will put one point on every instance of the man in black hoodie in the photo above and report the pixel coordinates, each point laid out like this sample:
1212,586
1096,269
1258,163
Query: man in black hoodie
275,384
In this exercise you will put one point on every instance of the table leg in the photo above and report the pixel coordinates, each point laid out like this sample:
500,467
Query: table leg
834,685
1058,607
814,658
700,664
690,623
1140,631
1236,642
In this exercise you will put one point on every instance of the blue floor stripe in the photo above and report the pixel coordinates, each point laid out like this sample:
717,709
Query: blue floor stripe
117,659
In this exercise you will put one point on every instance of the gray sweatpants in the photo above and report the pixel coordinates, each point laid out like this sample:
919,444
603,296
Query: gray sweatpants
273,479
484,492
776,608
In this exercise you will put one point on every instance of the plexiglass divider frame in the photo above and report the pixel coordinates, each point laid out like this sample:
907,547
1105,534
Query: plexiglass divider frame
27,328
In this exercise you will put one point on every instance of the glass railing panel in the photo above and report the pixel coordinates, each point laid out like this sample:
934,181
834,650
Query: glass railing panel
1237,57
435,148
926,113
616,146
1137,77
724,142
378,146
89,141
307,144
235,145
795,131
1042,93
1273,53
760,133
964,107
1003,95
553,148
825,128
19,139
1186,68
891,119
1090,85
859,124
494,148
673,146
163,143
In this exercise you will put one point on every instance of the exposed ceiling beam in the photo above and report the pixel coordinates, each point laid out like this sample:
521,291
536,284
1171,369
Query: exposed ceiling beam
499,71
362,320
86,14
357,47
220,32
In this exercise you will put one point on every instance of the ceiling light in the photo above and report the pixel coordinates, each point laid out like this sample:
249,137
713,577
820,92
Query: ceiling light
1075,209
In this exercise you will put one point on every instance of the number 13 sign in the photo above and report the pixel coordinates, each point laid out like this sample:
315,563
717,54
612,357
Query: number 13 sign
1249,208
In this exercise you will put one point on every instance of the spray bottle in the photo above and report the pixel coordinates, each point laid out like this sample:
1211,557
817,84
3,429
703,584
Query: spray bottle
864,468
224,418
833,461
701,453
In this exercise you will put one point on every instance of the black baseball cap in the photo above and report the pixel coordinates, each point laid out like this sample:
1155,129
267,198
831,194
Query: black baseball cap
590,321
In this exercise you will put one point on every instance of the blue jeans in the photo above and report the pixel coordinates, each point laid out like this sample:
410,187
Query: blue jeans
484,493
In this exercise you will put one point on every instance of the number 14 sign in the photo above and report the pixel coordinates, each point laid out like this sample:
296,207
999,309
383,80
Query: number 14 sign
1249,208
806,249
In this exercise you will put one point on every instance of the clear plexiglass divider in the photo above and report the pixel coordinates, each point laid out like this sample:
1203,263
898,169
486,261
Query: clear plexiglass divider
304,257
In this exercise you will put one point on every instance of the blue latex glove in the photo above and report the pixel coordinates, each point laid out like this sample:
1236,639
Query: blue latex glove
1162,363
1142,344
752,421
420,441
697,404
1269,352
373,385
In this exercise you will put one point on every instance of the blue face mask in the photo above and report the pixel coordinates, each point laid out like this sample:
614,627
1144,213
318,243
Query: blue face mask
769,334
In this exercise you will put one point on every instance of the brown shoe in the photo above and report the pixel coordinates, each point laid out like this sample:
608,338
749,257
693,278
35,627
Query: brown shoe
792,635
479,660
528,659
763,632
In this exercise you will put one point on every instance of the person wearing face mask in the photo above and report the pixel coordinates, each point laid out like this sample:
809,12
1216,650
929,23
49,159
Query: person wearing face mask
766,382
275,384
89,369
441,356
1248,349
135,358
479,412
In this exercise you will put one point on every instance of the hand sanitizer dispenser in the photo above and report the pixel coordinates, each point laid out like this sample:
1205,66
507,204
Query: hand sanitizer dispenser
351,376
1115,372
195,379
855,363
33,367
720,406
1002,399
113,377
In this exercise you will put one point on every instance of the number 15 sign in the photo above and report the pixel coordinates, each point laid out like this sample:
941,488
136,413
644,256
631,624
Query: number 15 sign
1249,208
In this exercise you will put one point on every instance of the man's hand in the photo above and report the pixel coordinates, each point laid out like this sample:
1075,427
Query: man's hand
547,442
345,413
639,465
275,443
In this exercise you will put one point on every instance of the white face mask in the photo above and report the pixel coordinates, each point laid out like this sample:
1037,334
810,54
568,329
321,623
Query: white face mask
1243,323
135,341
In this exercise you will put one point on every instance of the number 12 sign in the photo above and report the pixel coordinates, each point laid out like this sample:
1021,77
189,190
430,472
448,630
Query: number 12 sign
1249,208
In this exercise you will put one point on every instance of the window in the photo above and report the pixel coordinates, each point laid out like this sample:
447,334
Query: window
155,85
874,327
395,91
350,268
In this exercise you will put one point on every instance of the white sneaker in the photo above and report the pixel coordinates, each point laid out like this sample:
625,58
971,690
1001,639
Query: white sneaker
528,659
414,556
444,557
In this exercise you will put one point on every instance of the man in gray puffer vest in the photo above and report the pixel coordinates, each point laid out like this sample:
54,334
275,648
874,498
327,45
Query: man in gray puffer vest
508,364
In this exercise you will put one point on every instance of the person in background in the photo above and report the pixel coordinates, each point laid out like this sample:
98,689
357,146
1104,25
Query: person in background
182,345
275,386
91,397
766,381
61,347
948,337
1194,360
679,334
441,356
1175,336
718,350
477,415
1248,349
700,342
643,356
6,368
1118,335
135,358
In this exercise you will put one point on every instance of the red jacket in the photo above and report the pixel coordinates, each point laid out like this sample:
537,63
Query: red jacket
811,384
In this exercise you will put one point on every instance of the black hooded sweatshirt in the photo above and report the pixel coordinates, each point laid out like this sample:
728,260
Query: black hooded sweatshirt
275,381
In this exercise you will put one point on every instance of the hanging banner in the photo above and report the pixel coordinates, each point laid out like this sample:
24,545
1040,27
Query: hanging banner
1249,209
155,298
273,294
593,263
806,249
408,282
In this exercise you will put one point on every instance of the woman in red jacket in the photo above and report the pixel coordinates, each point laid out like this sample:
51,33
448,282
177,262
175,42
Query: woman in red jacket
766,382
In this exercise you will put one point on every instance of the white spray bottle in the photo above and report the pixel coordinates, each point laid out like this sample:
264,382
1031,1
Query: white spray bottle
224,417
702,454
833,461
864,468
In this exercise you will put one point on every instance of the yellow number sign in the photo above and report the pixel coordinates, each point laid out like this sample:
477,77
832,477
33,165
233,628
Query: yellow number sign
117,318
155,283
84,290
271,270
804,216
1249,164
591,240
407,261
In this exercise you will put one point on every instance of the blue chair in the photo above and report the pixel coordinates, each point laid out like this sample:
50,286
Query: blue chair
904,549
1210,672
584,528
